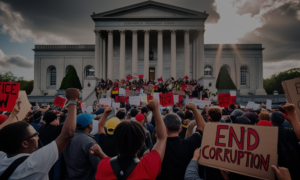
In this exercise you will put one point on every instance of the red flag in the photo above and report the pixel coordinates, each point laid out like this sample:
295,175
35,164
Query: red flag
141,76
128,77
185,77
123,81
160,79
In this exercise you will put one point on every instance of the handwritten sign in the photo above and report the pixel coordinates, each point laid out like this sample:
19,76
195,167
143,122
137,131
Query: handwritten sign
59,101
9,92
224,100
244,149
176,98
166,99
83,107
121,99
105,101
291,90
134,100
115,105
122,92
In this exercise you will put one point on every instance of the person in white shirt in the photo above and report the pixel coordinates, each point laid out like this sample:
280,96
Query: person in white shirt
20,139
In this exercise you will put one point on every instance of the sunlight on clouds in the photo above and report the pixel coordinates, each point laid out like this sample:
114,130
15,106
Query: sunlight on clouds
277,67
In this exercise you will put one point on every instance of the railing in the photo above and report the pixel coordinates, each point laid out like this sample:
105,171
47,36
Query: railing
65,47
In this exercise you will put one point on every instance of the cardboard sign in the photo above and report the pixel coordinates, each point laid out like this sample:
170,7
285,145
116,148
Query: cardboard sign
122,99
244,149
59,101
25,105
252,105
291,90
115,105
89,109
224,100
9,92
105,101
134,100
148,89
83,107
166,99
269,104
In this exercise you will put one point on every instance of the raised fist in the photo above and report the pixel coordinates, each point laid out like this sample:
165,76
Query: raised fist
108,110
152,105
72,94
289,108
191,106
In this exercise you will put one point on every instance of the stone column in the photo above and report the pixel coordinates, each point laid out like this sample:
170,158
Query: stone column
37,77
134,54
160,54
260,89
201,54
146,55
110,55
104,60
173,54
122,54
97,48
194,58
100,56
186,53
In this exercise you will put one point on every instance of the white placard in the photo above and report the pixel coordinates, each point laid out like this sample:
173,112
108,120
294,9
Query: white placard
202,104
156,96
89,109
83,107
144,99
232,93
134,100
201,95
122,91
176,98
250,105
269,104
108,93
115,105
255,106
105,101
142,91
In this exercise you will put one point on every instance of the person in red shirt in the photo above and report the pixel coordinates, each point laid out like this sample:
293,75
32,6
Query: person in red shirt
129,137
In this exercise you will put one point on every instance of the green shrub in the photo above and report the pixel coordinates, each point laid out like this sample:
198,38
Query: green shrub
224,80
71,80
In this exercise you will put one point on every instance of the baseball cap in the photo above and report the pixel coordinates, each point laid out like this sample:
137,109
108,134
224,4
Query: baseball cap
140,117
133,112
144,110
277,117
84,119
111,125
100,111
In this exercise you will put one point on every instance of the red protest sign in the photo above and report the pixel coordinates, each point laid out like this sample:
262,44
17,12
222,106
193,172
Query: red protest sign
224,100
128,77
232,100
141,76
9,92
179,101
166,99
59,101
122,99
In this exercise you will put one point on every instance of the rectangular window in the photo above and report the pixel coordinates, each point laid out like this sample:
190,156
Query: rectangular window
243,76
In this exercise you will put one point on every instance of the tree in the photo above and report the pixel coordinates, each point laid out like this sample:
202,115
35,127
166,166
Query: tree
24,84
224,80
274,82
71,80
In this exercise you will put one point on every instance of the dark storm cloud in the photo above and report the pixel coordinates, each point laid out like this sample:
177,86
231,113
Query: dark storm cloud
17,60
71,19
279,33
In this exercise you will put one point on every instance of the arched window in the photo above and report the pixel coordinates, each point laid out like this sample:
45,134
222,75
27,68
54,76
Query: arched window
52,76
208,70
89,71
244,71
68,68
227,68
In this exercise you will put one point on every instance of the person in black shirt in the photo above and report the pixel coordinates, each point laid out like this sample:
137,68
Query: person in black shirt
179,151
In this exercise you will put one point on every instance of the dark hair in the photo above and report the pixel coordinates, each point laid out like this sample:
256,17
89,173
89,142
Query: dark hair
172,122
232,106
128,138
215,114
12,135
188,115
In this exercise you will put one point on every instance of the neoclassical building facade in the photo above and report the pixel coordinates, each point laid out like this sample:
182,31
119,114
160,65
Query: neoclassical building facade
151,39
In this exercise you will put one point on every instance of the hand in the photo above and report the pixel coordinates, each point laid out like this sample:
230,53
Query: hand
108,110
289,108
197,154
282,173
97,118
72,94
191,106
152,105
17,108
95,150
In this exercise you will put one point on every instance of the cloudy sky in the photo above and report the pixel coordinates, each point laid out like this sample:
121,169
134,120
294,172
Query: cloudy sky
274,23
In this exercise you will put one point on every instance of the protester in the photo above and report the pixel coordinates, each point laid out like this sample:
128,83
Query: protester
33,163
148,142
36,121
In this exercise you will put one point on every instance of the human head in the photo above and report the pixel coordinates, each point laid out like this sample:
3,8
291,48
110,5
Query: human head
144,111
133,112
37,116
264,115
129,137
49,117
121,114
172,122
242,120
111,125
277,118
175,109
188,115
251,116
214,114
231,107
180,114
84,121
24,141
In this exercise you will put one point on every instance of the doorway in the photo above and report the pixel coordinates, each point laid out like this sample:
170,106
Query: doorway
152,73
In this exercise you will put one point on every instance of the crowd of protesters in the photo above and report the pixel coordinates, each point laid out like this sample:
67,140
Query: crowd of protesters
131,143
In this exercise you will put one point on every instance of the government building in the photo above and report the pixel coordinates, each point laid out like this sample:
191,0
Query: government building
151,39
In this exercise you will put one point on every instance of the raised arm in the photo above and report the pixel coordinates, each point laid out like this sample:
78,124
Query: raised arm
294,122
103,120
47,108
160,145
69,127
11,118
198,118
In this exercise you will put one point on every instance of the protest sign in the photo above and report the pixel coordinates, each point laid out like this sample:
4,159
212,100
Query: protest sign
134,100
149,97
166,99
148,89
122,92
59,101
89,109
144,99
232,97
105,101
291,90
156,96
224,100
108,93
202,104
9,92
121,99
83,107
178,92
269,104
132,93
115,91
128,77
250,105
244,149
176,98
115,105
25,105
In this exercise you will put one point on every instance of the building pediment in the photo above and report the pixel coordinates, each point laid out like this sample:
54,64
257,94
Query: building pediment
150,9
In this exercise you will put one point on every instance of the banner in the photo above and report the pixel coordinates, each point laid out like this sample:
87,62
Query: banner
232,97
291,90
166,99
83,107
244,149
59,101
224,100
134,100
122,99
122,92
105,101
9,92
115,105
